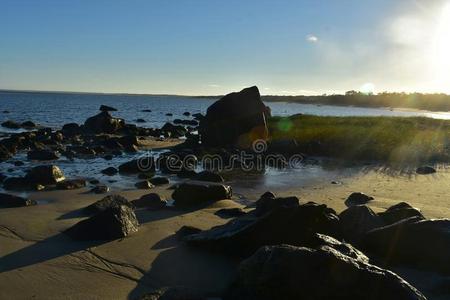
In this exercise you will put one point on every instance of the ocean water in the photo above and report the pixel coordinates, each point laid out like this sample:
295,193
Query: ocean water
54,110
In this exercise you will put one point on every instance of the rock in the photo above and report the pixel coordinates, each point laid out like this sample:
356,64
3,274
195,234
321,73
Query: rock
236,119
398,212
357,220
18,163
140,121
186,230
110,171
291,225
159,180
169,114
71,184
288,272
174,131
146,175
112,223
425,170
186,122
103,123
358,198
189,194
28,124
82,150
416,242
151,201
5,154
47,174
174,293
42,155
16,184
267,203
100,189
142,165
11,124
108,157
186,113
144,185
107,202
107,108
71,129
230,212
7,200
209,176
146,110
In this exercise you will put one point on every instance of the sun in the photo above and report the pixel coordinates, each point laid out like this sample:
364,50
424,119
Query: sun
441,52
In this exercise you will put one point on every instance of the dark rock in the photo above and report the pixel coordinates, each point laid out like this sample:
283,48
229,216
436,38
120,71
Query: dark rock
151,201
71,184
358,198
189,194
112,223
174,131
291,225
357,220
236,119
416,242
186,122
100,189
18,163
110,171
174,293
146,175
82,150
11,125
425,170
146,110
144,185
142,165
267,203
288,272
107,108
140,121
108,157
5,154
159,180
186,113
94,181
169,114
16,184
230,212
42,155
209,176
47,174
103,123
186,230
7,200
107,202
71,129
399,212
28,124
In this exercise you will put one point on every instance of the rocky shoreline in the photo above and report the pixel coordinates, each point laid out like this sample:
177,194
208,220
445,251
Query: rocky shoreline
281,247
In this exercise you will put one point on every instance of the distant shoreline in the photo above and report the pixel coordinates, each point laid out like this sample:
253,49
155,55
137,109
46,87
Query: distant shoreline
413,101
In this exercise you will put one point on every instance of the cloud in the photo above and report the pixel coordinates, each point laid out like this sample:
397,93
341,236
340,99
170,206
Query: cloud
214,85
312,38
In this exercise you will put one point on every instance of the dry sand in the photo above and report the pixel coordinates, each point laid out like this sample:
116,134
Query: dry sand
37,261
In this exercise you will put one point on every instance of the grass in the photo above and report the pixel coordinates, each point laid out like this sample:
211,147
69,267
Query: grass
397,140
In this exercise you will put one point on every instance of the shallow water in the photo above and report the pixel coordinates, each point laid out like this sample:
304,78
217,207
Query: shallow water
54,110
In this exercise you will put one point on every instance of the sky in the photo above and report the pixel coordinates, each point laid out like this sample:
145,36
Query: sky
212,47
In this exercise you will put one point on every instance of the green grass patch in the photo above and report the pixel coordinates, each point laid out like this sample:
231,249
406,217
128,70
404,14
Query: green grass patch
397,140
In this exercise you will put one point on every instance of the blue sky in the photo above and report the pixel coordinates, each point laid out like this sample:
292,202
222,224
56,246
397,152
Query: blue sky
213,47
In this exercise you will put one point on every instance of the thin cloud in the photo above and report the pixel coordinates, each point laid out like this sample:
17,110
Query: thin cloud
312,38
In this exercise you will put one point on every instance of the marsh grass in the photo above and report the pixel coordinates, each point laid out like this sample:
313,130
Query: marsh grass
396,140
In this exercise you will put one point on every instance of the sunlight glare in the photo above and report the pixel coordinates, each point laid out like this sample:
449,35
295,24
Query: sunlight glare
441,57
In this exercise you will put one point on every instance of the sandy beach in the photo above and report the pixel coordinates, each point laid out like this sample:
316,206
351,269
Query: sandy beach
39,262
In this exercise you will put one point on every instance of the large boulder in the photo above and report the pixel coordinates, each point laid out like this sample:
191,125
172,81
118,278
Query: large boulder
398,212
151,201
108,202
103,123
413,241
358,220
48,174
112,223
7,200
236,119
291,225
107,108
142,165
288,272
191,193
358,198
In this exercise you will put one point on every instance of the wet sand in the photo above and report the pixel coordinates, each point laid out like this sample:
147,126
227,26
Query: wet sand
37,261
